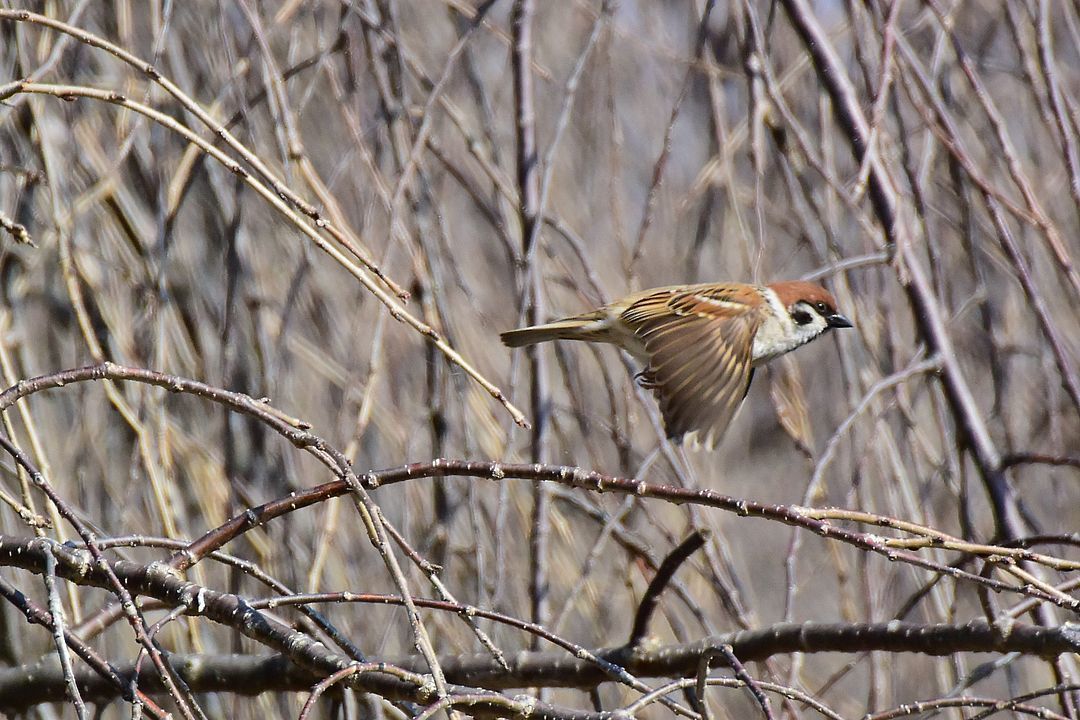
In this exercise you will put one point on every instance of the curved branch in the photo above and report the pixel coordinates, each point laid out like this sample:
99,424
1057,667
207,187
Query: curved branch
576,477
396,309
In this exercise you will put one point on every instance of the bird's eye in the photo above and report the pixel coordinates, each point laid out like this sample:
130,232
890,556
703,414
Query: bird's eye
801,317
821,307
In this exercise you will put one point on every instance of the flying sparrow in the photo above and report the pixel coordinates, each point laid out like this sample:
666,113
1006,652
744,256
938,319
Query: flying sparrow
700,343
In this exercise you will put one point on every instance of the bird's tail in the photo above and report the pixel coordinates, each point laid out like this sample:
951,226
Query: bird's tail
574,328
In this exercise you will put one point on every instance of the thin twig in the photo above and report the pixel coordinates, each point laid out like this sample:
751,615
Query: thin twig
651,599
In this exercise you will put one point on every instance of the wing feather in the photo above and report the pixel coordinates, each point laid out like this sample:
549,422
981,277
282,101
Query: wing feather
699,342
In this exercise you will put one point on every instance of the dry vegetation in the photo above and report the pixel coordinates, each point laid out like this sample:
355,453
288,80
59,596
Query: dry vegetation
498,162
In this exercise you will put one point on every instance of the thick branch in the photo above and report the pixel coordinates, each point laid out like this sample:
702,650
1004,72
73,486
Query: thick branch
21,687
158,581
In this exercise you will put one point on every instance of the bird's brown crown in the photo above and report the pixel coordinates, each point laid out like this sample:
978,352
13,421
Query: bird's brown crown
792,291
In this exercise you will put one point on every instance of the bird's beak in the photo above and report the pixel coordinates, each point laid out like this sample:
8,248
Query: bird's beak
836,320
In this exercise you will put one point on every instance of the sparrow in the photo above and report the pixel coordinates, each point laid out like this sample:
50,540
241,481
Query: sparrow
700,343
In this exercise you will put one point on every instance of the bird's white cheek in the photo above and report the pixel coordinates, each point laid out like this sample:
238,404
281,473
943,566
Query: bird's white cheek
774,338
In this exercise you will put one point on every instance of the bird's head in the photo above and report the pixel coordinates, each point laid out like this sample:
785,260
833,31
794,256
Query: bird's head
811,307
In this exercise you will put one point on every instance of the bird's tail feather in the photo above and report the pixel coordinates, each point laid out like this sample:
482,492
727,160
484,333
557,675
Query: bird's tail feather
567,329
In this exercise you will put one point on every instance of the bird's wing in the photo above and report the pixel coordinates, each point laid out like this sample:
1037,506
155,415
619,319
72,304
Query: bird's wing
699,341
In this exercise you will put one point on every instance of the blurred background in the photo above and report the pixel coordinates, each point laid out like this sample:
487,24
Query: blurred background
678,142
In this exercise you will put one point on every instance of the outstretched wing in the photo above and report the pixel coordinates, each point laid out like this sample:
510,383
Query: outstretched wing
699,341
